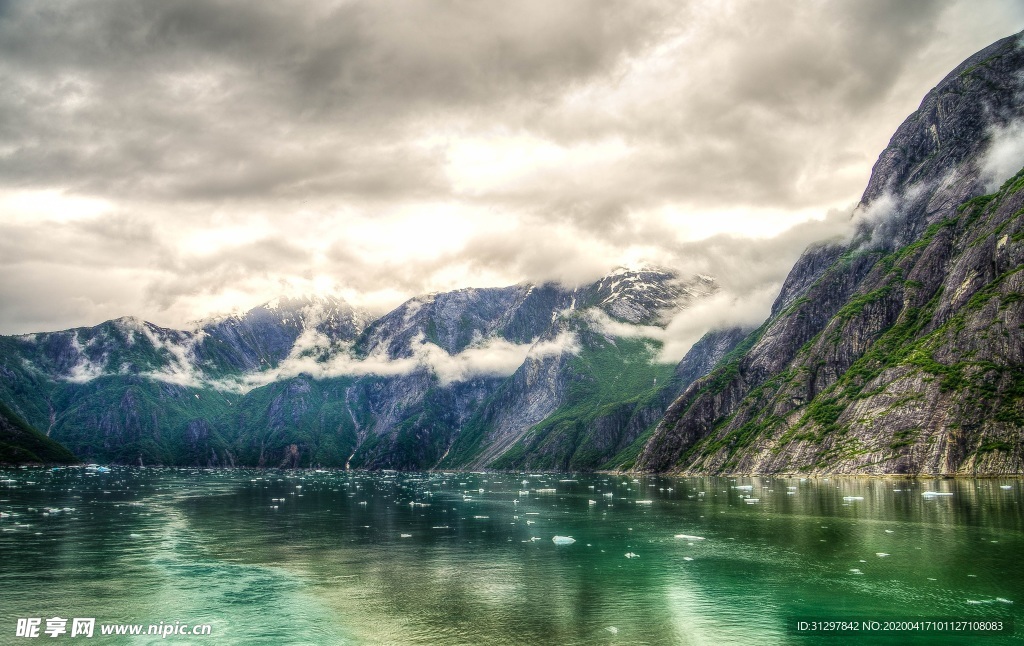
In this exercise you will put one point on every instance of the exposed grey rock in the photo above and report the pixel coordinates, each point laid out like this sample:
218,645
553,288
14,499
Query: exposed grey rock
898,352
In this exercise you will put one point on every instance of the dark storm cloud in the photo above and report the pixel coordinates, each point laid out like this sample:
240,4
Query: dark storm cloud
214,99
763,103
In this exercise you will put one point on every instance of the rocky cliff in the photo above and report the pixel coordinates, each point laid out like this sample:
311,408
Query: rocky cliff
899,350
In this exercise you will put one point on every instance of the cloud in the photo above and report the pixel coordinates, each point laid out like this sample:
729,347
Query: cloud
186,158
1005,155
314,355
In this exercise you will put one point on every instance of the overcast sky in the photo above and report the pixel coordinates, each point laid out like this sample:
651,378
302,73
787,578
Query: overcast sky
172,160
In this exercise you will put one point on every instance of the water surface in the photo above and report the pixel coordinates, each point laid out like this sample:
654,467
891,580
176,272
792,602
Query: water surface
285,557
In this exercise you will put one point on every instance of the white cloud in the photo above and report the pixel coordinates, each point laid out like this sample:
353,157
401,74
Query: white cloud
494,357
84,369
1005,155
715,312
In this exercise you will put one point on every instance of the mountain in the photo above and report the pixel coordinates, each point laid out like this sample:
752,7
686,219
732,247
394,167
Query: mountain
899,351
525,376
20,443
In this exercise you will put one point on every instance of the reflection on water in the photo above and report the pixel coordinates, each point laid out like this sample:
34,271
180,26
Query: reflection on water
281,557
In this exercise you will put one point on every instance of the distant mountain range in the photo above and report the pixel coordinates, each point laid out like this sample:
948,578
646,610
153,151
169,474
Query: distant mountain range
537,376
900,350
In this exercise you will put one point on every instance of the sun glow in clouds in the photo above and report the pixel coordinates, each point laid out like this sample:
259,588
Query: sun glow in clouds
28,207
503,163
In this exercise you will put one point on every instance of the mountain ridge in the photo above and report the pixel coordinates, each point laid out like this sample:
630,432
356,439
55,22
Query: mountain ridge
464,374
824,386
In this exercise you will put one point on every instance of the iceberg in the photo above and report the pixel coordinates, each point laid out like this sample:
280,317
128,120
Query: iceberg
563,540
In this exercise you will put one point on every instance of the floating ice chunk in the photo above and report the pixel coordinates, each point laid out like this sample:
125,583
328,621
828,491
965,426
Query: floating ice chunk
854,570
644,502
687,558
591,502
751,501
744,487
134,535
546,491
405,535
563,540
631,555
524,492
481,516
613,630
881,555
1006,486
690,537
889,531
1002,600
932,494
852,498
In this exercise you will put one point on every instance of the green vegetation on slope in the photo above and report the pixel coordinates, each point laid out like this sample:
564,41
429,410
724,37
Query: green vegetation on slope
20,443
610,382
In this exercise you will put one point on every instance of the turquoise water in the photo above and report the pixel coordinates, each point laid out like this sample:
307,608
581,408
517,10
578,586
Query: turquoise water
282,557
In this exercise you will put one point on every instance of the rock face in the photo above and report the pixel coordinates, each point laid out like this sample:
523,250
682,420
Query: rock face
526,376
899,351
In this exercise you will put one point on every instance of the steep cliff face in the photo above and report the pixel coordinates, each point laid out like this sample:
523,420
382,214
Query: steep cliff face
579,396
899,351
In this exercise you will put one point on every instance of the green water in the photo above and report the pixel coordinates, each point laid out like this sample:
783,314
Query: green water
276,557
